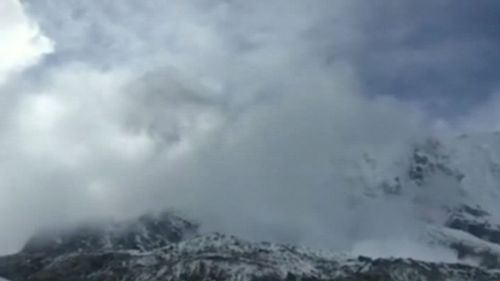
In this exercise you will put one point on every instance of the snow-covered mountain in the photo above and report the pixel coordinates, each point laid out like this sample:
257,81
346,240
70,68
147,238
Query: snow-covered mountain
75,256
452,183
205,257
146,233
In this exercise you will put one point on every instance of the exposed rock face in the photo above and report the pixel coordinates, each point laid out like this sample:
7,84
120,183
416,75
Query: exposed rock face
139,252
475,221
429,159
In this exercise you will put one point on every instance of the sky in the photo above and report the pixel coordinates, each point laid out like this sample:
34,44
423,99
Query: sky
441,53
249,116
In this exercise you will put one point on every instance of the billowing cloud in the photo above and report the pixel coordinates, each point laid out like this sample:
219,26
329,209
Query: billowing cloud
249,116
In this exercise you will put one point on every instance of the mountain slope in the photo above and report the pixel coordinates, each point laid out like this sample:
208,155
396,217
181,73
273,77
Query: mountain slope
453,187
145,233
209,257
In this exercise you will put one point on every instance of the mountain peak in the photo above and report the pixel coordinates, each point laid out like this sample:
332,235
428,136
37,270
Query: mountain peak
145,233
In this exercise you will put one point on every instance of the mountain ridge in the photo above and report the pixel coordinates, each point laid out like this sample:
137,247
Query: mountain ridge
215,256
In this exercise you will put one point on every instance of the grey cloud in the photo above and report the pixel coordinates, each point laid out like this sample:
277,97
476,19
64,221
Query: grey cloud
440,53
249,116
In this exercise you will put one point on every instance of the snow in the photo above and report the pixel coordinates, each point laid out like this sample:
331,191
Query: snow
478,157
447,236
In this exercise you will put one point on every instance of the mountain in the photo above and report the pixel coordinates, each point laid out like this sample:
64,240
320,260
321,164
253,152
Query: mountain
146,233
454,183
164,247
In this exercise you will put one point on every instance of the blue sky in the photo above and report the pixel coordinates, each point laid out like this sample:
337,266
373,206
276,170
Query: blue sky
444,53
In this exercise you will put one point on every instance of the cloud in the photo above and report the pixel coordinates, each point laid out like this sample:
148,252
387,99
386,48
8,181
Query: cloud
406,248
22,42
439,54
484,117
248,116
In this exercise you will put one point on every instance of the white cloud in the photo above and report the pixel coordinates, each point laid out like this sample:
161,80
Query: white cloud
21,43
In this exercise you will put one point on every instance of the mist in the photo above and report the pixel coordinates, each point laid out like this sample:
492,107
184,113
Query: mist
249,117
